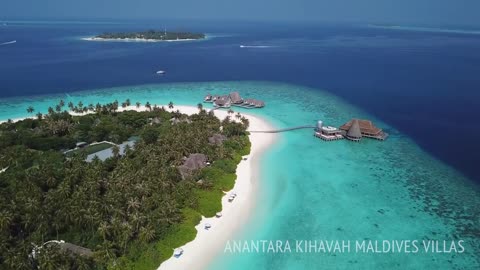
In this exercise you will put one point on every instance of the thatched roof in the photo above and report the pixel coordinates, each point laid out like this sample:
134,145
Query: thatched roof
366,126
192,163
222,101
77,250
235,98
259,103
175,120
354,130
217,139
254,102
156,121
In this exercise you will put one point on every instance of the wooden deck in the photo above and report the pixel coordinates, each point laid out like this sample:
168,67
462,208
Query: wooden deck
281,130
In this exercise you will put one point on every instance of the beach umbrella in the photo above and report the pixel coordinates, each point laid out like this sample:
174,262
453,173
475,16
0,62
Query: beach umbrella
207,226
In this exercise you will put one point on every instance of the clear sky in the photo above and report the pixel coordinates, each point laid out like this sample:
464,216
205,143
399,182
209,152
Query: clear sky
401,11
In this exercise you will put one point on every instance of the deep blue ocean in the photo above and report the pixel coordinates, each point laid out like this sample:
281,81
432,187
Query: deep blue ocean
424,83
421,85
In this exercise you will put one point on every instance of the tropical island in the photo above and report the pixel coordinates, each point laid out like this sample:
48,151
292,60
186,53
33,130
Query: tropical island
126,211
150,35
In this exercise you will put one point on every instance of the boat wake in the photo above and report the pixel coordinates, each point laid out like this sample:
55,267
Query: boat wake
426,29
9,42
256,46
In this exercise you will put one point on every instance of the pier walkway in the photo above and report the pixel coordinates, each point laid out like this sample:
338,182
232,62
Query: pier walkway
281,130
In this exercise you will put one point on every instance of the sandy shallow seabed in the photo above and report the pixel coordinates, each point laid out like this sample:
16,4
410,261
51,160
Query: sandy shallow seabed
208,243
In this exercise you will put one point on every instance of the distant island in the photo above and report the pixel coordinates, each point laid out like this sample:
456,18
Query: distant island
150,35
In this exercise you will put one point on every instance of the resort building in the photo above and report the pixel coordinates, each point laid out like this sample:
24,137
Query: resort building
233,99
217,139
222,102
354,133
359,128
68,248
81,144
192,163
108,153
328,133
354,130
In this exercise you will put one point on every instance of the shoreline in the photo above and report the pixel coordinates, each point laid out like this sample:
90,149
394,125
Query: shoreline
200,252
136,39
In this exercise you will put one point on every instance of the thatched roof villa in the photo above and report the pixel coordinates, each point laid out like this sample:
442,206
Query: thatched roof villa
217,139
354,133
233,99
77,250
366,129
353,130
192,163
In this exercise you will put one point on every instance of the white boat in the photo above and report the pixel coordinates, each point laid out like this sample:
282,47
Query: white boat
161,72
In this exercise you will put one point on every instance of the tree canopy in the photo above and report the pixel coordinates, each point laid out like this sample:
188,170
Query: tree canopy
131,209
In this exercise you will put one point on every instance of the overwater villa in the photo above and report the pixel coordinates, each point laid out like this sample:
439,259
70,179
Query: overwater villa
353,130
233,99
328,133
363,128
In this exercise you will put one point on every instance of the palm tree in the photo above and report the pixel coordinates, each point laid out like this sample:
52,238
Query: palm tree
128,102
148,106
238,116
61,103
200,106
98,108
30,109
80,104
115,105
170,105
39,116
58,108
5,220
245,122
104,230
230,111
147,234
70,105
138,104
116,151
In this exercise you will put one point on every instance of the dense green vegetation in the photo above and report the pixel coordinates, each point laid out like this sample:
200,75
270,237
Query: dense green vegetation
130,210
152,34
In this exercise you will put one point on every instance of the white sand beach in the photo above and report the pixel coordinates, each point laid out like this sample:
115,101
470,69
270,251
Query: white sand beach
209,243
198,253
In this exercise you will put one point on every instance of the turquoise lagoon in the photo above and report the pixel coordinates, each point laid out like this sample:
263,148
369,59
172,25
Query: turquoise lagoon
316,190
